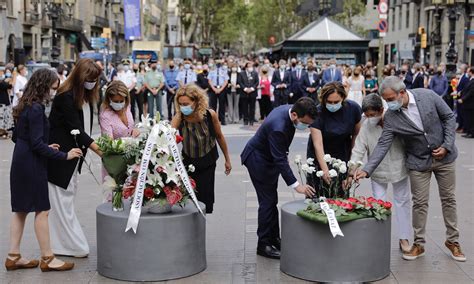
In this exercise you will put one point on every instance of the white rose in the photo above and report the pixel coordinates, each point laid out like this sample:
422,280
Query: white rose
327,158
311,170
343,169
305,168
75,132
298,159
336,166
319,173
360,164
310,161
332,173
191,168
351,164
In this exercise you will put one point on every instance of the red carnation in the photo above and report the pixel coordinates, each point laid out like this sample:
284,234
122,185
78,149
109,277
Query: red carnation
193,183
380,202
128,191
329,201
348,206
174,195
160,169
149,193
371,199
387,205
353,200
338,203
179,138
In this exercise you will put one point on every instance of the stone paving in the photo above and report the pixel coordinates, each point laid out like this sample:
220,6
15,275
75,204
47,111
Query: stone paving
231,237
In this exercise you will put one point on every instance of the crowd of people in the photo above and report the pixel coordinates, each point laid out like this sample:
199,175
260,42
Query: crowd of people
348,113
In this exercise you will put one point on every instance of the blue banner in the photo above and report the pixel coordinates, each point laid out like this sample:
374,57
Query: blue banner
131,13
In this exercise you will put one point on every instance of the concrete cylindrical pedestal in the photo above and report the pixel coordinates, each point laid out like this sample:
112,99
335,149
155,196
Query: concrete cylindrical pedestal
308,250
166,246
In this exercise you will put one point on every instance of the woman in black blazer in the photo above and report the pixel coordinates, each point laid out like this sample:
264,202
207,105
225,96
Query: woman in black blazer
72,110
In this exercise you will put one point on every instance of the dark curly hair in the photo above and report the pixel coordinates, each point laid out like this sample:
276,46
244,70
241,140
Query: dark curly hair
331,88
37,90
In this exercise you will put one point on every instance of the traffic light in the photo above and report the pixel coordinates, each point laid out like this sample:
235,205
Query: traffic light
423,42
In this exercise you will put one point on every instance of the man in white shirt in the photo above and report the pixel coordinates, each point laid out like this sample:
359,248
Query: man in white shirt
129,78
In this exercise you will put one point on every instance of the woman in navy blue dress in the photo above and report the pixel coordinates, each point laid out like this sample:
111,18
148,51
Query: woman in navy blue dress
335,129
28,174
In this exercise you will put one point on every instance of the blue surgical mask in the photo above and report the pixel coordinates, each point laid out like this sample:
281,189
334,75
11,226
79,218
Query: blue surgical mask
186,110
301,125
117,106
395,105
187,66
334,107
8,75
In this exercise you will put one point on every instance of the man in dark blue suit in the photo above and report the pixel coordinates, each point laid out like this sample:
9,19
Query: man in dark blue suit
265,157
281,81
462,84
296,83
311,83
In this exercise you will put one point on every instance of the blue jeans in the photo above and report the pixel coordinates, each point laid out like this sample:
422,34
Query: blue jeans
151,103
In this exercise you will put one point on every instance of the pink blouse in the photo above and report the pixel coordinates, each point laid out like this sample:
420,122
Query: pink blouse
112,125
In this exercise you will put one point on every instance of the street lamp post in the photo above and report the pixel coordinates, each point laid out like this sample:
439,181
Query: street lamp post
116,4
451,54
54,10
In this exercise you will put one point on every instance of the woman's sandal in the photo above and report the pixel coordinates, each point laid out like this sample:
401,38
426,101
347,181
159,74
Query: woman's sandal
46,260
11,264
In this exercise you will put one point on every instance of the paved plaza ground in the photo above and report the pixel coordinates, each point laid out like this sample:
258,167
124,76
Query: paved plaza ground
231,230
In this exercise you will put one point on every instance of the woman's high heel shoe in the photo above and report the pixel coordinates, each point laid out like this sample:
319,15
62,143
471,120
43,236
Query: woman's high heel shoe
46,260
11,264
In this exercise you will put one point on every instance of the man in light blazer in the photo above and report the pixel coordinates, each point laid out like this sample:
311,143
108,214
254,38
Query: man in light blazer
331,74
426,125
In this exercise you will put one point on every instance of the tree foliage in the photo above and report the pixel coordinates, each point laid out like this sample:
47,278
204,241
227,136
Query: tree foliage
243,27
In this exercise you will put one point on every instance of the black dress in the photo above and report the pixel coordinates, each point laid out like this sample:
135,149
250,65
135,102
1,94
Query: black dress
204,157
336,130
28,174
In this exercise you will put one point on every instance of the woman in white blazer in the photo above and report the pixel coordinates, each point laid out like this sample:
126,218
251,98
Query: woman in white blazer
392,169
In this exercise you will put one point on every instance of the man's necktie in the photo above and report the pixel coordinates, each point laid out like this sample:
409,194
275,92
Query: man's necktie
217,72
186,77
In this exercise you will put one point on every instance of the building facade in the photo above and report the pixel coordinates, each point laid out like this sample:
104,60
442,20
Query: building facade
441,20
27,27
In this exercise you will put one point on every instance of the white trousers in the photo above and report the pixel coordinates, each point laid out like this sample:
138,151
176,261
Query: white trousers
402,204
67,237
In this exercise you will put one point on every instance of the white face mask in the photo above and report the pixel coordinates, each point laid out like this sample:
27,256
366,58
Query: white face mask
52,93
89,85
374,121
64,72
117,106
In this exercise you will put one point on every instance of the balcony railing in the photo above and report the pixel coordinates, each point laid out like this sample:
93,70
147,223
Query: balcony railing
46,23
101,22
31,18
72,24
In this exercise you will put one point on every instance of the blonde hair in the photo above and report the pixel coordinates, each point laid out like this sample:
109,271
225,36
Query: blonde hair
116,88
196,95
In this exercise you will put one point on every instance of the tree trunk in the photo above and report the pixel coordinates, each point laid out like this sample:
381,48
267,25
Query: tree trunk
163,26
193,24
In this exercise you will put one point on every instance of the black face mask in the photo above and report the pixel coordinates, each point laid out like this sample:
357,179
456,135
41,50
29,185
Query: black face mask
218,65
204,72
171,66
264,72
439,73
135,70
293,64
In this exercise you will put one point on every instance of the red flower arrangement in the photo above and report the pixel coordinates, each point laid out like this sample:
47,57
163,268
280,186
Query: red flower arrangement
348,209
